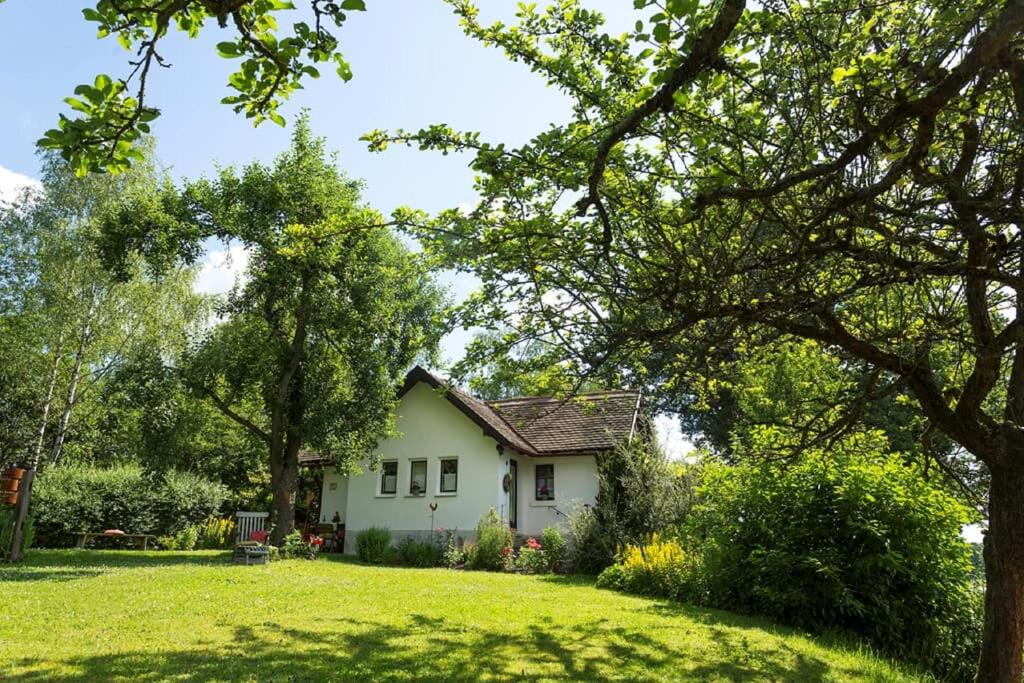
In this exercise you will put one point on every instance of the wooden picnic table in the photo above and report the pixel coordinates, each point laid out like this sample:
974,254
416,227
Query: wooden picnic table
85,536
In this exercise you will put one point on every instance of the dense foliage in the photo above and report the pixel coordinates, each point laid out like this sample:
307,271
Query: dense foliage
413,553
74,498
332,311
492,548
734,172
639,492
856,542
69,326
373,545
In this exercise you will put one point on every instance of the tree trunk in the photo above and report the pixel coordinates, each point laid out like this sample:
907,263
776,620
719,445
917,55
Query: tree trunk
76,374
1003,636
287,423
37,449
284,482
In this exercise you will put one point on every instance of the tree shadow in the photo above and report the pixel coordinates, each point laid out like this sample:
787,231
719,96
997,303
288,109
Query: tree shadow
423,648
66,565
428,648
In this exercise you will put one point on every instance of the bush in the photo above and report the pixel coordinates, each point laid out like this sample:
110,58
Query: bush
554,545
493,548
373,545
217,534
72,498
859,544
185,539
532,558
413,553
639,493
659,567
452,555
588,551
297,546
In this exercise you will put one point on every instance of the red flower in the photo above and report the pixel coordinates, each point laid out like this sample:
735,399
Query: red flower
505,551
532,543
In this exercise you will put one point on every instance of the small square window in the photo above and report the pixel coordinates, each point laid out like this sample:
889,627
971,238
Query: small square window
449,475
545,482
388,477
417,477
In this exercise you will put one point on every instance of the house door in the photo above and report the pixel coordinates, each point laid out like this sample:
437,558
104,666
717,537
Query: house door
513,493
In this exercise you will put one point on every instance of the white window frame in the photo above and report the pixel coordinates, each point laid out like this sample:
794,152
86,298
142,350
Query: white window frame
379,491
426,477
440,475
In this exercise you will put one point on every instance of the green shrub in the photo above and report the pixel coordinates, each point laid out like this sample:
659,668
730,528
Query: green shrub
555,550
373,545
639,493
186,539
413,553
296,546
860,544
658,567
589,551
531,558
217,534
73,498
452,555
493,548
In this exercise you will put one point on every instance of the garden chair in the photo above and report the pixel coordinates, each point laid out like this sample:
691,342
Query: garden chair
248,522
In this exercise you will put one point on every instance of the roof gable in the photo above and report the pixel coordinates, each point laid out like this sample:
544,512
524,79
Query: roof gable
544,426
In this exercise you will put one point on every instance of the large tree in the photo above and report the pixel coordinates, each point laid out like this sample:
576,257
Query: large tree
843,172
67,324
331,311
111,115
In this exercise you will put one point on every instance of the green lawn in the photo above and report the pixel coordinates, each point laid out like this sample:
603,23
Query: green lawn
79,615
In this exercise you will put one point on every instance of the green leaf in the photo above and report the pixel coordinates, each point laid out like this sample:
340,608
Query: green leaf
228,49
840,73
357,5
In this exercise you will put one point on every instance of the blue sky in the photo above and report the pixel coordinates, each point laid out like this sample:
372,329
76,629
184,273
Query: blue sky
413,66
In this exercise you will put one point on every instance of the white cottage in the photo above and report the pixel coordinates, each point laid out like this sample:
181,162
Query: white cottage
531,459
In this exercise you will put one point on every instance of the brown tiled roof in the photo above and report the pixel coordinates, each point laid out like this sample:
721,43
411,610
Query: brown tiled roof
588,422
545,426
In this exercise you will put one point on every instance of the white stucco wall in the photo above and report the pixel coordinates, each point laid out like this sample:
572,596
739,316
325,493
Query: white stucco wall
431,428
575,484
335,496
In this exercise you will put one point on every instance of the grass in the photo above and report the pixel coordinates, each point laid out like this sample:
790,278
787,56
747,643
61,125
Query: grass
110,615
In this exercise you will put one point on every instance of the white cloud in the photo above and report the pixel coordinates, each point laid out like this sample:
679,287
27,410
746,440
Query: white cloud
13,183
221,269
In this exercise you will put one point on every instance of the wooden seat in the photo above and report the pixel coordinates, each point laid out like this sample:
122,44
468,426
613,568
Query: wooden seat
248,522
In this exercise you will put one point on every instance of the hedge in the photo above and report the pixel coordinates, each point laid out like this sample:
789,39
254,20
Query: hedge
73,498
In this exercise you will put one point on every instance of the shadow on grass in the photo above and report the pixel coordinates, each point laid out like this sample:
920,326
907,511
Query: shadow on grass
65,565
427,648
